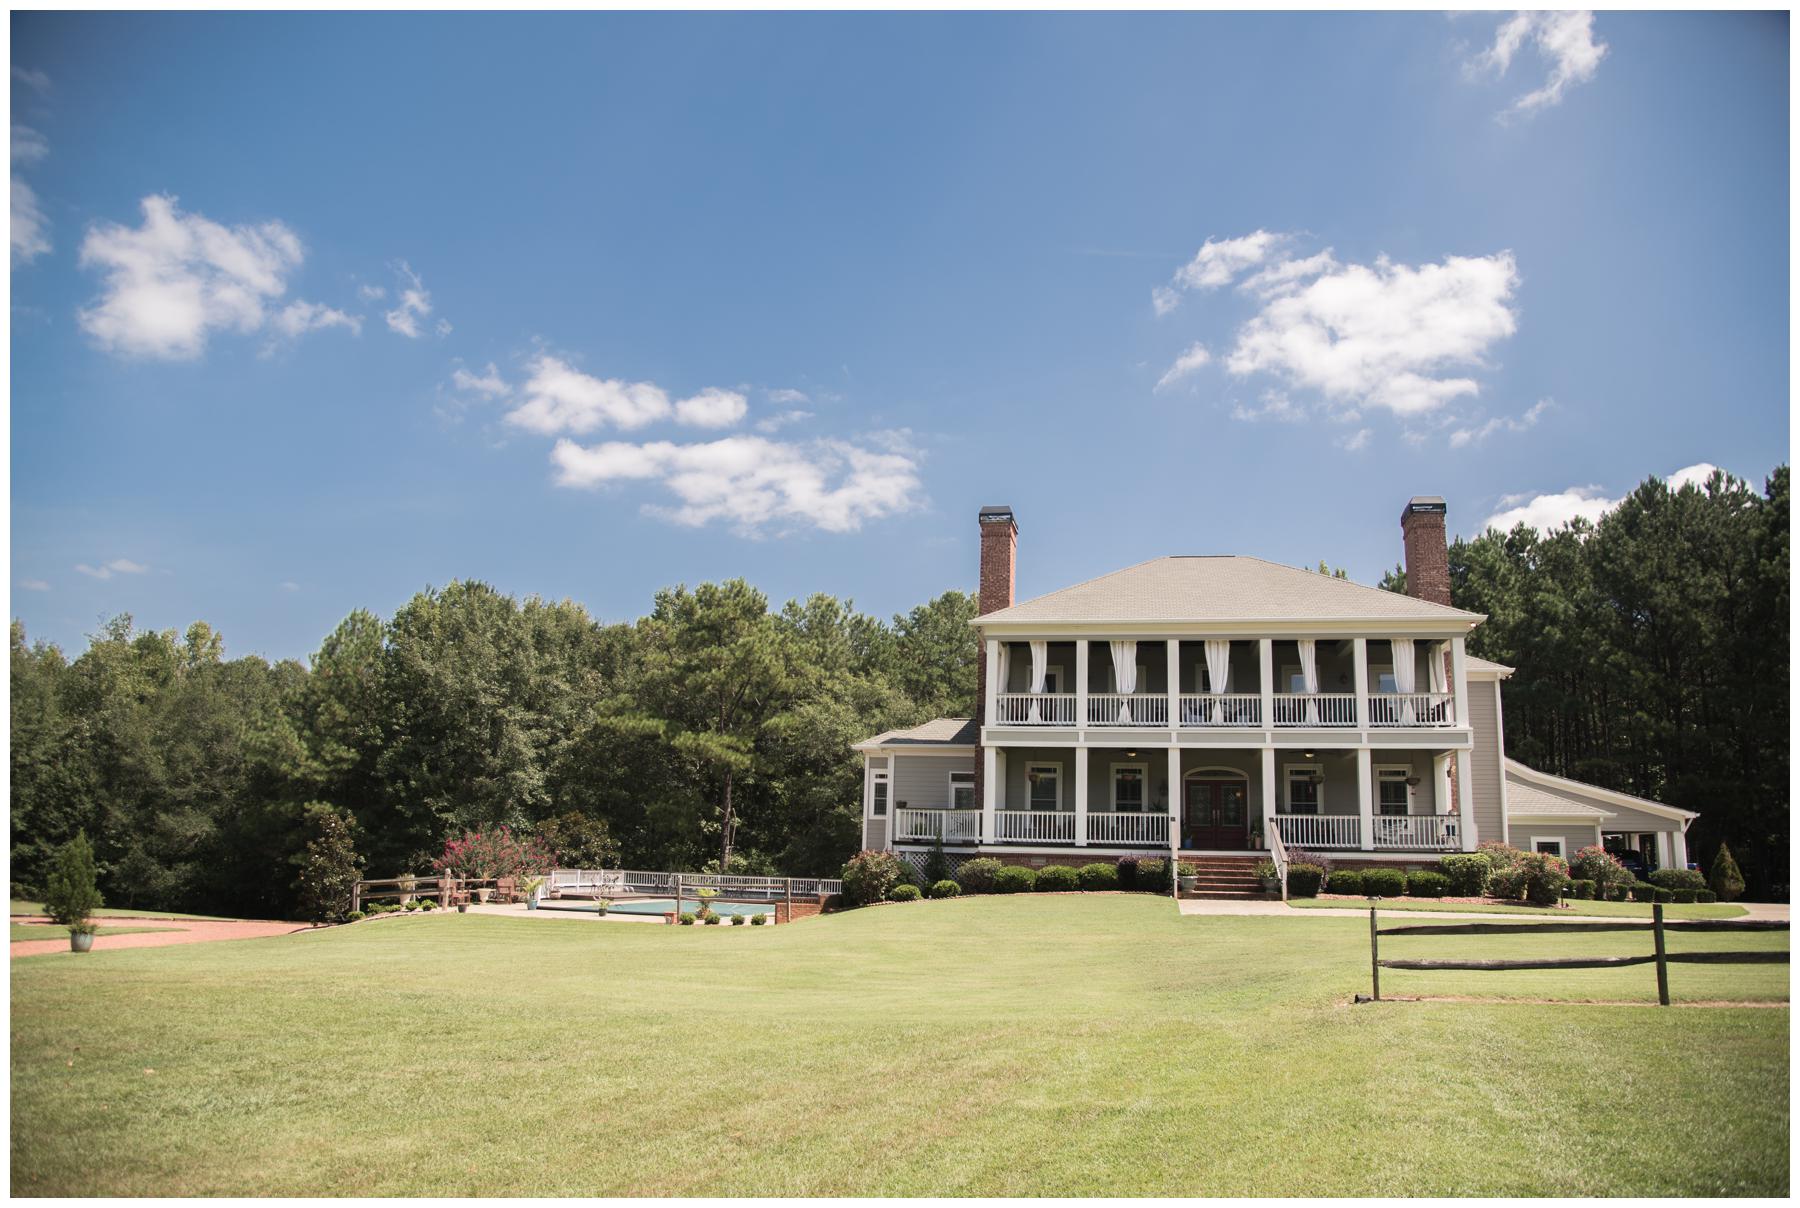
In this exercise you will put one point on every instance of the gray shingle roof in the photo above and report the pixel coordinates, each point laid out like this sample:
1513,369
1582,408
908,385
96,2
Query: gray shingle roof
1476,664
1528,800
942,732
1201,589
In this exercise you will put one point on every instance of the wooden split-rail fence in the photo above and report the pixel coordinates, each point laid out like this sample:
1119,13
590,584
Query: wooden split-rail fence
1661,957
445,891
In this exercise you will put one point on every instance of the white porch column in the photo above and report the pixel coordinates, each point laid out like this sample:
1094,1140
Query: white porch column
1081,682
1265,655
1365,794
1174,684
1360,679
1174,774
1465,790
990,791
1081,796
1662,846
1268,792
1440,783
990,706
1459,679
1678,841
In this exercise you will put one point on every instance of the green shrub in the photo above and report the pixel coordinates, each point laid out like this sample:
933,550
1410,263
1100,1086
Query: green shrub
1600,866
1726,881
1153,875
1643,891
355,916
713,920
1265,870
1663,895
977,876
1705,895
1345,880
1581,888
427,903
1304,880
738,920
1468,873
687,918
758,920
1425,883
1383,883
411,906
937,867
870,875
1543,878
832,902
1098,876
945,889
904,893
1617,893
1057,878
70,893
1014,879
1506,875
1127,870
1186,868
1677,878
1687,896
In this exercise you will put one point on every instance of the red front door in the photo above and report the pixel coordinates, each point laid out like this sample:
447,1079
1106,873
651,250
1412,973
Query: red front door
1215,816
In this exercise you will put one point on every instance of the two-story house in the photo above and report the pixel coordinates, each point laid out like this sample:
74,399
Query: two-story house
1220,705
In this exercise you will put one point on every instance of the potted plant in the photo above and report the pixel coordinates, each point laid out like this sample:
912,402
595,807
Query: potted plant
406,885
1186,873
70,895
1265,872
531,887
600,906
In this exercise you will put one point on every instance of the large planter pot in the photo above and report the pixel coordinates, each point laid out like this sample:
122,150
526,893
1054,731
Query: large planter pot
531,903
462,908
1271,885
1186,883
81,941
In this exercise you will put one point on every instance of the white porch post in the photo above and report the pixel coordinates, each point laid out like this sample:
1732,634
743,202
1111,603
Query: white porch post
1678,841
1174,774
1465,793
1365,806
1662,845
1360,664
1081,795
1174,685
1268,792
990,791
990,714
1440,783
1459,679
1265,675
1081,682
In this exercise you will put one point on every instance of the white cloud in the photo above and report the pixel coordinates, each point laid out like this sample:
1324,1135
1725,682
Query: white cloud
787,396
488,383
1195,357
1564,40
559,398
1378,335
712,408
1552,510
1358,439
30,228
752,483
1217,263
34,585
35,80
415,304
1275,405
170,283
775,423
118,566
300,317
289,585
1500,423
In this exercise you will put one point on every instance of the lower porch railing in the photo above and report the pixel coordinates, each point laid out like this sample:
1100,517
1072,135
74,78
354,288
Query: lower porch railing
1034,826
1139,830
1434,832
1319,831
951,826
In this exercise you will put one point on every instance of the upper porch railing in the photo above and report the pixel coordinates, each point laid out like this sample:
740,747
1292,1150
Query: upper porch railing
1231,710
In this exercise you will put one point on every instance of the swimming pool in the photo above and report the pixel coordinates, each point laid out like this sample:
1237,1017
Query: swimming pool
662,906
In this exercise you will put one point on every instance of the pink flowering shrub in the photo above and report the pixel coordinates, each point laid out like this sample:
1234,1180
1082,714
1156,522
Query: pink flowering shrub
1600,866
486,855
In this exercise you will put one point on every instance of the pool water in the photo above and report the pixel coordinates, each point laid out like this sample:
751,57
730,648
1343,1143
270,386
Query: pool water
663,906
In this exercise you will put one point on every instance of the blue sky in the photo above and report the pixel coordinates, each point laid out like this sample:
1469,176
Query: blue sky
309,312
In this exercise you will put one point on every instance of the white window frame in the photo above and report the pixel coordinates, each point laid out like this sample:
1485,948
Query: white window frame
1287,787
1143,771
882,776
969,779
1043,765
1406,774
1562,848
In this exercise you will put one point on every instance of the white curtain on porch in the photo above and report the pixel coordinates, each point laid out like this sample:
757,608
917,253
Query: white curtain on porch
1437,679
1124,660
1040,660
1309,677
1218,670
1405,681
1005,671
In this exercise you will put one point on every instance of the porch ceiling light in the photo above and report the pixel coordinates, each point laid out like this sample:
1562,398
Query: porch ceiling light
1306,754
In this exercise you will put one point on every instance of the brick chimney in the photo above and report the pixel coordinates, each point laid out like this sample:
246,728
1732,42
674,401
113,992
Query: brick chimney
993,591
1427,553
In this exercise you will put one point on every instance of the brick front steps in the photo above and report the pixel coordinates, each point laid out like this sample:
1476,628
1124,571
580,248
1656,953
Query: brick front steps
1229,878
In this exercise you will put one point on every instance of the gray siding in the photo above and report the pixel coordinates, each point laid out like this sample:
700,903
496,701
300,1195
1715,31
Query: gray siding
1484,761
1574,838
923,781
875,832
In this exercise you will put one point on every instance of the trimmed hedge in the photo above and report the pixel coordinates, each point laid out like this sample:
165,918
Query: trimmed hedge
1383,882
1098,876
1705,895
1581,888
945,889
1663,895
1468,873
907,892
1304,880
1677,878
1013,879
1685,897
977,876
1127,870
1643,891
1618,893
1427,884
1056,878
1345,880
1153,875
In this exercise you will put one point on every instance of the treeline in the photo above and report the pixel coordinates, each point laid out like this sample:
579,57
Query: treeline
711,729
1652,655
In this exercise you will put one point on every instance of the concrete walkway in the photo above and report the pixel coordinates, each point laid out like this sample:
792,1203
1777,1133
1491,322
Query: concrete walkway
1759,911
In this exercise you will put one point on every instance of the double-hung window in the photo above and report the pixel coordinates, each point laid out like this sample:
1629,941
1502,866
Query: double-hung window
1044,784
962,790
878,794
1128,788
1305,789
1393,796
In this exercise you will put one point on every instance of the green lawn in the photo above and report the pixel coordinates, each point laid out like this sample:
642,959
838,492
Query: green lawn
1629,910
49,931
108,912
991,1046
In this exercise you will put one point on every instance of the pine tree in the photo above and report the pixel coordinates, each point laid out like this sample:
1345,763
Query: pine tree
70,895
1726,880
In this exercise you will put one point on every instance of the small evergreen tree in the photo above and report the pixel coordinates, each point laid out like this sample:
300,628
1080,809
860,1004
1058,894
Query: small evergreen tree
1726,880
329,867
70,895
937,865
